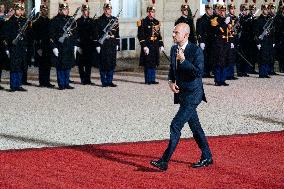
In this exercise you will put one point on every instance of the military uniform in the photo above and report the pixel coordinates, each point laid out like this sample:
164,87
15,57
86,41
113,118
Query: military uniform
233,39
108,52
149,37
65,59
85,28
43,49
279,38
221,45
17,51
204,35
266,46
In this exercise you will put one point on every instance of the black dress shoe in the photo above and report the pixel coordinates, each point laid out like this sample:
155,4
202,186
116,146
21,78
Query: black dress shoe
21,89
218,84
112,85
1,87
234,78
12,90
26,83
155,82
202,163
159,164
245,75
69,87
61,88
148,83
71,81
49,85
225,84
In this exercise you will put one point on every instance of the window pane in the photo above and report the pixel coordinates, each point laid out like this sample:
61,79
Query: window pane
132,43
124,44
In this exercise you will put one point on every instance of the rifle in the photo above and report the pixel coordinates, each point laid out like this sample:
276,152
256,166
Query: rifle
23,28
112,23
266,28
195,13
68,26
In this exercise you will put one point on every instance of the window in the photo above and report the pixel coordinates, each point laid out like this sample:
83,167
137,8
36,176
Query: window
130,8
127,43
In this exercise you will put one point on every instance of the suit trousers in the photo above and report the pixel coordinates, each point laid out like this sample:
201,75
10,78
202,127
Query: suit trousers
16,80
186,113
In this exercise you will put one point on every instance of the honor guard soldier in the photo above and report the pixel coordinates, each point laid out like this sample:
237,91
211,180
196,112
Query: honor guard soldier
265,41
205,38
63,44
150,40
185,18
272,14
279,36
245,40
233,30
16,47
42,46
252,49
85,55
2,51
107,45
222,45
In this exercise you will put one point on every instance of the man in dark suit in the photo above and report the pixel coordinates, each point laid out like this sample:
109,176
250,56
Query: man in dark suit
185,80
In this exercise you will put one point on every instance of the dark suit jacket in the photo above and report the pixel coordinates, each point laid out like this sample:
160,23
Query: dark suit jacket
188,74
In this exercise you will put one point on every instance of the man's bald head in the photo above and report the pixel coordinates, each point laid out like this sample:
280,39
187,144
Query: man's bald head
181,33
183,27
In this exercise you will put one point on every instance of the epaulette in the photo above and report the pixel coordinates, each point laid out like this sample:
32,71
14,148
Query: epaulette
139,23
214,21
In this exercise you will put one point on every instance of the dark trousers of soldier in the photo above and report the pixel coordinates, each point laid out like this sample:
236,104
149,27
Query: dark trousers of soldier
25,75
281,65
222,59
243,67
265,58
106,77
230,70
150,75
85,67
186,114
43,75
63,76
208,68
15,80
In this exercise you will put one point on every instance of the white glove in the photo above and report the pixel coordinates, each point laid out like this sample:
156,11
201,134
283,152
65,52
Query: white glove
162,49
232,45
98,49
8,53
79,50
39,52
75,51
202,46
146,50
273,45
117,47
227,20
55,52
258,46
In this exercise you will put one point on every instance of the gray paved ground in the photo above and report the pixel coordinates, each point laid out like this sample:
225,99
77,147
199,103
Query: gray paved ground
132,111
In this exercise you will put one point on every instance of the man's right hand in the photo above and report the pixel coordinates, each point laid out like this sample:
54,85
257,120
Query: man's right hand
202,46
146,50
98,49
174,87
55,52
258,47
7,53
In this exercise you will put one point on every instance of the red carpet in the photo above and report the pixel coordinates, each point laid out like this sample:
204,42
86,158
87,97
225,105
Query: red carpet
244,161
